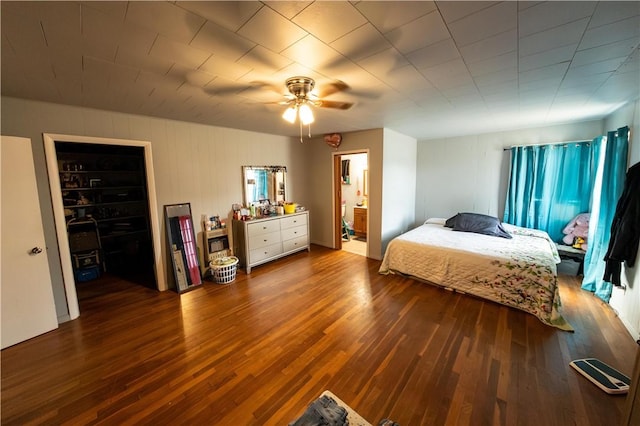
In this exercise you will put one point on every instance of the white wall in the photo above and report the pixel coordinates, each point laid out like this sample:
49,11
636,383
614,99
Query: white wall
392,173
318,195
193,163
626,300
470,173
398,185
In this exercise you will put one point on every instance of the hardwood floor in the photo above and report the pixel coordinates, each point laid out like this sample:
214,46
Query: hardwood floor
257,351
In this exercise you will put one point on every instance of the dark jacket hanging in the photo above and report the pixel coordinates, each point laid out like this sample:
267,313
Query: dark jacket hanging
625,228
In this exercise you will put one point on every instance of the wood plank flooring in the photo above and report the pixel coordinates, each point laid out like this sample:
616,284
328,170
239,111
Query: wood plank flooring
257,351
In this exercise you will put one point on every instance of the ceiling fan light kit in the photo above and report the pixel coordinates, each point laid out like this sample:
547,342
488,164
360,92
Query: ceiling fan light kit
299,104
306,115
290,114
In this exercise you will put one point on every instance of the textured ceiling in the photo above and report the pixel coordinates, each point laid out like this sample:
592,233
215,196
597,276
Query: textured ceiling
422,68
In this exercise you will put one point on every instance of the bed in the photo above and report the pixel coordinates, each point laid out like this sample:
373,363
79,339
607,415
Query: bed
518,271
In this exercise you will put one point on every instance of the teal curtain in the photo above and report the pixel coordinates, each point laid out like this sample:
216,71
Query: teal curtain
550,185
608,188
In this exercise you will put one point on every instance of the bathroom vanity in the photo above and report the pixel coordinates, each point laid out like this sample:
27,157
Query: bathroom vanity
360,221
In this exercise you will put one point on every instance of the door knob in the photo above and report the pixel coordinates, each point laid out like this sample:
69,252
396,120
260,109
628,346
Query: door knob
36,250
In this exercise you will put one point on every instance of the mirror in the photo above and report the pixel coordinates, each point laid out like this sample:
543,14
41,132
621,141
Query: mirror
345,172
262,183
182,246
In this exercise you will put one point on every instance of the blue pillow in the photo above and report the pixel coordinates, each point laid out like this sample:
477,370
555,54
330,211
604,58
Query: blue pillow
477,223
451,221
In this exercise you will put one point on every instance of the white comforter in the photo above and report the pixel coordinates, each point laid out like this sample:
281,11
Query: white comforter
518,272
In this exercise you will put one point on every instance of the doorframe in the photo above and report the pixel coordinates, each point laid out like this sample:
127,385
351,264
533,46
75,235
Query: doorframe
58,209
337,195
337,201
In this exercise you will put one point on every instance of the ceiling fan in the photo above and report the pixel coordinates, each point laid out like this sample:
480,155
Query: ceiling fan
301,97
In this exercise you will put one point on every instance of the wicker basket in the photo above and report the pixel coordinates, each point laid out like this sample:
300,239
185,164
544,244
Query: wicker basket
223,269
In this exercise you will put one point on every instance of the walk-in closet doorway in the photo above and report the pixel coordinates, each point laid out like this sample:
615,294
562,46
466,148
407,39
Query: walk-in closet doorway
57,174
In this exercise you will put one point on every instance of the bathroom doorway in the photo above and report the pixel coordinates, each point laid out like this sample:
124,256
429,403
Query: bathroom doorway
351,180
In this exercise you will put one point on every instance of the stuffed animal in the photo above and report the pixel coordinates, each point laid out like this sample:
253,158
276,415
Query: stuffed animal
578,242
575,233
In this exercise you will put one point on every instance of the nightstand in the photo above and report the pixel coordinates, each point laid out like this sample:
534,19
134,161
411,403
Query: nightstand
577,255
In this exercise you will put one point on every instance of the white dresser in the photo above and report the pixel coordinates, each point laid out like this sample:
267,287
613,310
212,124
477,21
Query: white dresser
262,240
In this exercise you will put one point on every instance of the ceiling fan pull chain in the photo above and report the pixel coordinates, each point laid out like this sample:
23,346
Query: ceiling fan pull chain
300,122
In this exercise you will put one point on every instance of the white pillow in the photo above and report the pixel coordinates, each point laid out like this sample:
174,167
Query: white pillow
435,221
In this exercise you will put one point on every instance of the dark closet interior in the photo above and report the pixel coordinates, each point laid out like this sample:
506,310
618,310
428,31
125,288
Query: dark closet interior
106,210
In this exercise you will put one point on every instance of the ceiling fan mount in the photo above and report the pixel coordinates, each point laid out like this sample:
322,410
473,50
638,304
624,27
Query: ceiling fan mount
301,92
300,87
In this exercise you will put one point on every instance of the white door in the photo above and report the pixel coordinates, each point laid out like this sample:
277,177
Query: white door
27,304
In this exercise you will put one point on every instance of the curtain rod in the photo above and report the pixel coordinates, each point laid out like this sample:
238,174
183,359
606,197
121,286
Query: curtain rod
550,143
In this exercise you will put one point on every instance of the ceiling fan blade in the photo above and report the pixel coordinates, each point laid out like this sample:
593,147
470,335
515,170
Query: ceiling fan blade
223,90
333,104
333,87
287,102
270,86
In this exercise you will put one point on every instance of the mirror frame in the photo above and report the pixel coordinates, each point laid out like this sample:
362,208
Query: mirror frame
182,251
279,194
365,182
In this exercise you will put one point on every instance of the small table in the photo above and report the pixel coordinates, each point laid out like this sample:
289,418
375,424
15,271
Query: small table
568,252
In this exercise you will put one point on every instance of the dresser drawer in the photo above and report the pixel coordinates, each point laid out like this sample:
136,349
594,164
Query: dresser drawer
263,240
298,231
291,221
257,255
265,227
295,243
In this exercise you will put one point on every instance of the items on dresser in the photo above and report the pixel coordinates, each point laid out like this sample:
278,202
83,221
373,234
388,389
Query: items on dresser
265,208
259,241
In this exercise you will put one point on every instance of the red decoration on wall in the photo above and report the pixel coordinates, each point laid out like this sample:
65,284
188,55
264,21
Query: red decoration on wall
333,139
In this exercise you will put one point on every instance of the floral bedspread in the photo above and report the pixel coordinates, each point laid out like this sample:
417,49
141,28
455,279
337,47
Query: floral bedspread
519,272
